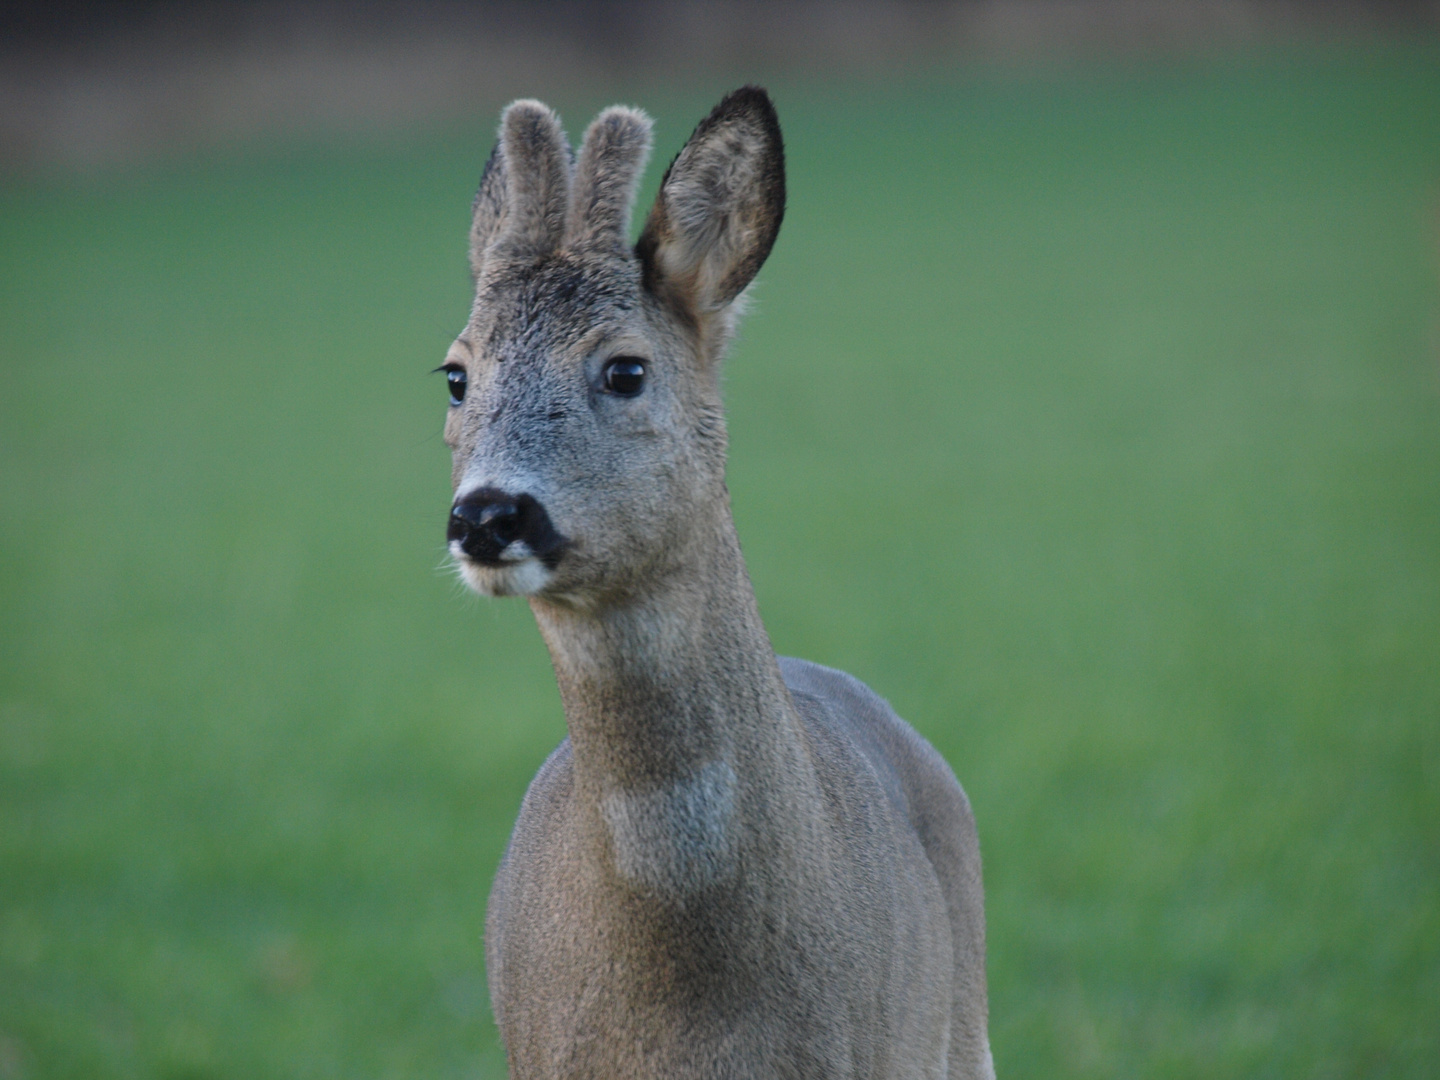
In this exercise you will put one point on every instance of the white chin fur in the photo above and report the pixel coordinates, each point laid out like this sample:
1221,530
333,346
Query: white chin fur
525,578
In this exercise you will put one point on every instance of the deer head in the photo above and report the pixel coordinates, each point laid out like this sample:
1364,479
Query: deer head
586,423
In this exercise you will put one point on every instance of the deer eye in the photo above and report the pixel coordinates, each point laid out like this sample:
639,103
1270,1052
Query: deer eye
455,379
625,375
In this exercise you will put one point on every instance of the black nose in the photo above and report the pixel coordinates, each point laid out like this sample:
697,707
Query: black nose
487,521
497,521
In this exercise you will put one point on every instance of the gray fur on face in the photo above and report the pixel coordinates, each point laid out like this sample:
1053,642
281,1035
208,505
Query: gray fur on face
735,866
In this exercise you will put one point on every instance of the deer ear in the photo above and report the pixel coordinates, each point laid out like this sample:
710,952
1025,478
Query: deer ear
719,207
487,213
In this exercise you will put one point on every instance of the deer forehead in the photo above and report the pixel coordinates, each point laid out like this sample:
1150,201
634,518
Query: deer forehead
556,304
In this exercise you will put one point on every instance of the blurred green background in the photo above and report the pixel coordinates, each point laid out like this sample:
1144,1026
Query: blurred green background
1092,418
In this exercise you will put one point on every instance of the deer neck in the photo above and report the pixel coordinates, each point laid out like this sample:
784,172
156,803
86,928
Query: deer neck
678,716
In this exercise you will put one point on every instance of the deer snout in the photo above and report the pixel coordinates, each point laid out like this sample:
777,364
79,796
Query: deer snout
494,527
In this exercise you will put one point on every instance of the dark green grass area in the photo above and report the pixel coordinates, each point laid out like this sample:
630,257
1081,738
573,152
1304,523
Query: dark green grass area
1095,421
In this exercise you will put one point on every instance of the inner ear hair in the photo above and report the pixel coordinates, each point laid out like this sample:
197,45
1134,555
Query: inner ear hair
719,207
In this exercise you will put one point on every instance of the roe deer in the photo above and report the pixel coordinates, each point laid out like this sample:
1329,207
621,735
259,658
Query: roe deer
736,865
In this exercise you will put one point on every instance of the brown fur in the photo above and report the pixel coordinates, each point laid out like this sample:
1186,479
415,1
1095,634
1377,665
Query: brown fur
735,866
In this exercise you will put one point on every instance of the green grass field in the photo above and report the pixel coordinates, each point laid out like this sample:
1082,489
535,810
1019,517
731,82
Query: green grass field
1092,419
